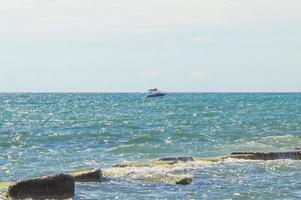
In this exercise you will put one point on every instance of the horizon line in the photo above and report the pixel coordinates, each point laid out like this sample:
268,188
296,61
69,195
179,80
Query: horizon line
135,92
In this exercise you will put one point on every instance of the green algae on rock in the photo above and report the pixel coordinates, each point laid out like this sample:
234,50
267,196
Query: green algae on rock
160,170
210,159
4,185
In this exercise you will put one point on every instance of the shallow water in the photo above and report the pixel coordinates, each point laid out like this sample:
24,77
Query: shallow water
49,133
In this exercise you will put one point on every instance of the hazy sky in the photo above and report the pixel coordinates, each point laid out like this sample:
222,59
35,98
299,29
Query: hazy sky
133,45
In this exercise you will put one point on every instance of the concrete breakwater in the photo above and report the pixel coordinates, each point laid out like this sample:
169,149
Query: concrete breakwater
54,186
94,175
294,155
170,170
58,186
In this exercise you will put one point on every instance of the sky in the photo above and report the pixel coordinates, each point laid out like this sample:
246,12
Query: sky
134,45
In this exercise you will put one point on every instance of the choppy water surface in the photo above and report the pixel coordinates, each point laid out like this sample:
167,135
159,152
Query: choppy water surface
49,133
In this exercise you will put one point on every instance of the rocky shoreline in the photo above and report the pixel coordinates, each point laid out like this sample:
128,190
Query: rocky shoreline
62,186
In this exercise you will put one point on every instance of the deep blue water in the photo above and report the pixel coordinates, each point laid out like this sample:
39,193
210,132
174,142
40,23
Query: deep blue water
42,134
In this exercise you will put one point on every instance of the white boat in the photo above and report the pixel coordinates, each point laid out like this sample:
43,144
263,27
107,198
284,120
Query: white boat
155,93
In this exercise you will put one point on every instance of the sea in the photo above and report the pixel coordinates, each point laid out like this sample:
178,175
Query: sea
48,133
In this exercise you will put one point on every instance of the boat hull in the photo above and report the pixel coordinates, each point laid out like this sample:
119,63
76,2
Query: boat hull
156,95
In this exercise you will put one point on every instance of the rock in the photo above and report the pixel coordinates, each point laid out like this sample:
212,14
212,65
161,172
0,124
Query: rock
133,164
246,156
168,179
177,159
295,155
4,196
55,186
184,181
94,175
122,165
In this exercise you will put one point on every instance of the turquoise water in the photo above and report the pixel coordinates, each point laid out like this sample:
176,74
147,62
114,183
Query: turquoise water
42,134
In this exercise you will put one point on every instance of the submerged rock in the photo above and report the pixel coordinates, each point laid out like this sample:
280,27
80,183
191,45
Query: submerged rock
94,175
246,156
184,181
121,165
168,179
177,159
295,155
55,186
133,164
152,171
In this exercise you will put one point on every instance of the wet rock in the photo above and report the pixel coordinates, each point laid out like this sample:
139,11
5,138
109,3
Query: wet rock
177,159
122,165
55,186
94,175
295,155
134,164
246,156
184,181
